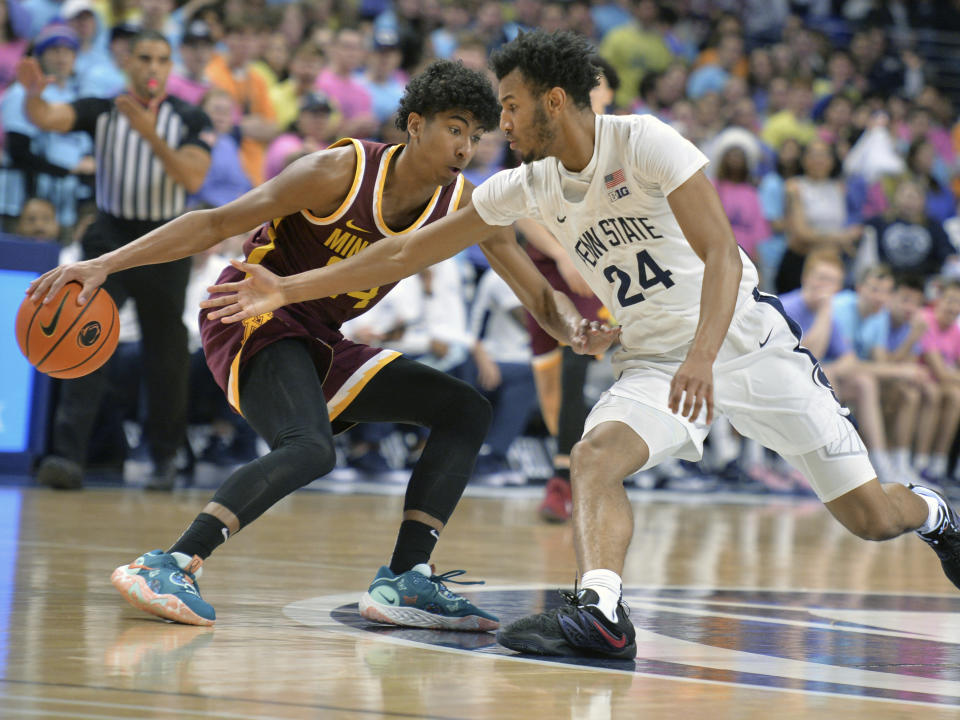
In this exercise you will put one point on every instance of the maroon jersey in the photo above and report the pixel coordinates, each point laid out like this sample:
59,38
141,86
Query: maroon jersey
301,241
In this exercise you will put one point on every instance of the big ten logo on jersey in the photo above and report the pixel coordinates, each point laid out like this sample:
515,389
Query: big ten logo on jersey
616,186
346,244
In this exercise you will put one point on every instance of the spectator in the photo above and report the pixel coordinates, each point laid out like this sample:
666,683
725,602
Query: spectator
314,129
107,79
92,48
502,355
383,78
189,82
940,350
456,19
816,214
902,384
793,121
38,220
49,165
635,49
274,60
939,200
741,201
305,67
811,307
256,116
11,47
338,82
901,327
225,180
906,240
527,15
603,96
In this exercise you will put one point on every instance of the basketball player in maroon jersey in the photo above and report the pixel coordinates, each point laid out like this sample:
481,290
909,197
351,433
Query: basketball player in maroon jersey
295,377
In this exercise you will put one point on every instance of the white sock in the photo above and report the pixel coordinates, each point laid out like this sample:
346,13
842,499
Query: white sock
938,465
901,459
607,585
921,461
933,516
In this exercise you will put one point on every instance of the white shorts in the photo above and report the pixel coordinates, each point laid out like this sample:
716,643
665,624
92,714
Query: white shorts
770,388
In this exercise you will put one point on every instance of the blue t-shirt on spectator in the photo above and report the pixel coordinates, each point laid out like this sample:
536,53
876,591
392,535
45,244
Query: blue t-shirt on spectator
797,309
893,337
864,333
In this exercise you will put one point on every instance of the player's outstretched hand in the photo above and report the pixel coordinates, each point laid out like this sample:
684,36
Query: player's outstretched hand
256,294
593,337
693,386
88,273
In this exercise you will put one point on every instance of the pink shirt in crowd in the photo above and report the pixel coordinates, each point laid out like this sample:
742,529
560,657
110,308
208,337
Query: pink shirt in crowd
742,205
946,342
189,91
351,96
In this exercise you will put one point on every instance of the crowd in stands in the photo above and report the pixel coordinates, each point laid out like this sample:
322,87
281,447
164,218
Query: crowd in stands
831,126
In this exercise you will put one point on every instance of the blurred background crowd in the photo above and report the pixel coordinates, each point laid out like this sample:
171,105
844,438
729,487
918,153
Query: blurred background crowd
831,126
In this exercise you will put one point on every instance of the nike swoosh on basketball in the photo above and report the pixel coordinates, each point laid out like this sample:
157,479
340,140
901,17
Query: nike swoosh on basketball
767,338
617,643
354,227
48,330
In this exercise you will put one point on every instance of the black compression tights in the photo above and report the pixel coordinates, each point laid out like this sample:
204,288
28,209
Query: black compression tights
282,398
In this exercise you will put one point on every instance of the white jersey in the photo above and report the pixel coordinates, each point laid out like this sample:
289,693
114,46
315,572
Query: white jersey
614,220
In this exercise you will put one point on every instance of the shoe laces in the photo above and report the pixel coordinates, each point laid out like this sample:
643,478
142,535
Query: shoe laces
573,598
448,576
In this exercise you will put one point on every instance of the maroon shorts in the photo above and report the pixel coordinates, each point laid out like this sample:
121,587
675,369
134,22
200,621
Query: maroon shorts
344,366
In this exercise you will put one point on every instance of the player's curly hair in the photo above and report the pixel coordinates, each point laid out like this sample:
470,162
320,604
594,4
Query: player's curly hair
547,60
447,85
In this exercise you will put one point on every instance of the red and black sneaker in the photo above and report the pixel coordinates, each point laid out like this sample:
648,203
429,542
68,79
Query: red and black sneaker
557,501
576,628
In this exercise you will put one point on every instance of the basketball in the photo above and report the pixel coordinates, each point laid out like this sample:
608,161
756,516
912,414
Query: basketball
66,340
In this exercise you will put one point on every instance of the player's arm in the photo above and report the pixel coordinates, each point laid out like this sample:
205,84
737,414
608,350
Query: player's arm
383,262
52,117
703,222
552,310
318,182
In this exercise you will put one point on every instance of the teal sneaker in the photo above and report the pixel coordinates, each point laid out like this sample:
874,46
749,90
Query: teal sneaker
418,598
165,585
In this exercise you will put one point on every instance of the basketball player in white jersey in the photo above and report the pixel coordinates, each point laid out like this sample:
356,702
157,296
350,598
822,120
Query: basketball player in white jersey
628,199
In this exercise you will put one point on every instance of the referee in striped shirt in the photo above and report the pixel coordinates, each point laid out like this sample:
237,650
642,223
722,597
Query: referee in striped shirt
151,151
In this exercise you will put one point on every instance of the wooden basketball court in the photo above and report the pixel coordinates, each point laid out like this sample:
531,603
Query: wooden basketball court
755,608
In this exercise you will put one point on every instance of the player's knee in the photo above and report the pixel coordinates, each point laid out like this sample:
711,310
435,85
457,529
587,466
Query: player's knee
315,454
586,455
467,410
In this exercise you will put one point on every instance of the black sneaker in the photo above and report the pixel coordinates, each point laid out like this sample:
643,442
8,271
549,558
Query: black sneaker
945,538
59,473
575,628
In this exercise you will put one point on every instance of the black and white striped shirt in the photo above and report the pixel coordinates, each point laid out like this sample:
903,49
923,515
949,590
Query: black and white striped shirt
131,182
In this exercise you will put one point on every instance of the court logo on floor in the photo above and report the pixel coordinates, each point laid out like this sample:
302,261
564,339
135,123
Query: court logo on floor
899,648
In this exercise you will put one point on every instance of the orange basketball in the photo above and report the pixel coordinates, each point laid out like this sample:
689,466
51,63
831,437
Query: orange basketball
66,340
